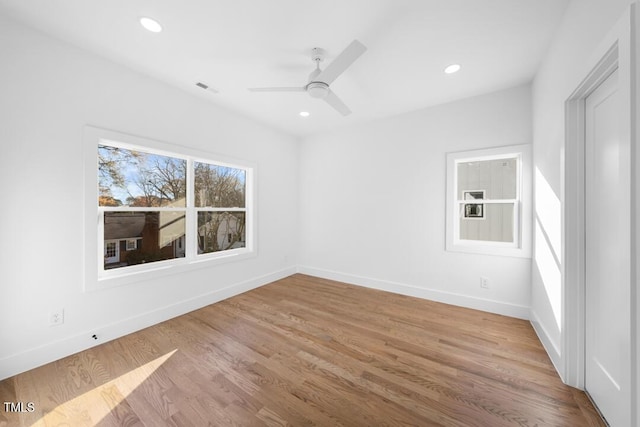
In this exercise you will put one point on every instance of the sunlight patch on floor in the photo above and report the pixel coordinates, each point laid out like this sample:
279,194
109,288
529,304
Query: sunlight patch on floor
94,405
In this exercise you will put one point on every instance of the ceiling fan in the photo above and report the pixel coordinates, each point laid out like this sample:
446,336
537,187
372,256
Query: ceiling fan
319,80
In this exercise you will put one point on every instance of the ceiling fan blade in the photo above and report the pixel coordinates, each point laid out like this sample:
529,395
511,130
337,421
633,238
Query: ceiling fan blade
277,89
342,62
333,100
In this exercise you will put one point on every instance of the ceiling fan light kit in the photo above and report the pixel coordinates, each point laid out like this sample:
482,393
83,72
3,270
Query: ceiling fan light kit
320,80
317,89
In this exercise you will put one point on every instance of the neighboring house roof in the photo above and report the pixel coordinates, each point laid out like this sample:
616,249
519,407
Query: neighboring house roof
123,225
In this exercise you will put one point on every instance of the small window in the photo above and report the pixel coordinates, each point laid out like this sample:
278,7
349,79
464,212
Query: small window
132,244
488,201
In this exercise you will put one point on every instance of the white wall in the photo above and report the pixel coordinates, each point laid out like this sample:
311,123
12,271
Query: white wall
48,91
370,198
372,203
570,56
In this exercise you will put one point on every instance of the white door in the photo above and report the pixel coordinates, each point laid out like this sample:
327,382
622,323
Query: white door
607,215
111,251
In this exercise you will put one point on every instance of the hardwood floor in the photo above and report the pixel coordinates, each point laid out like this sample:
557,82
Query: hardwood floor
308,351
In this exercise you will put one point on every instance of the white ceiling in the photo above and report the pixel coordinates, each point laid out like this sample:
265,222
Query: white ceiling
236,44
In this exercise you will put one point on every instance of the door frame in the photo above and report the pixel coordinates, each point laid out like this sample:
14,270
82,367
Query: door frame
618,51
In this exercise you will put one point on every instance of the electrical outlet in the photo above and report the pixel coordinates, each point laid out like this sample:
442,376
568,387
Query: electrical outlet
56,317
484,283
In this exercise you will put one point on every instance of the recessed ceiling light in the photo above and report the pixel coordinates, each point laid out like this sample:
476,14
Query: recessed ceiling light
151,24
453,68
304,113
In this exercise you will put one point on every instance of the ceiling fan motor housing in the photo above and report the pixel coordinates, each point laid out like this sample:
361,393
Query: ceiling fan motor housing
318,89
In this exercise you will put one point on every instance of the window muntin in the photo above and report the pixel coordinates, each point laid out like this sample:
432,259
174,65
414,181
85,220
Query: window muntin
150,213
111,253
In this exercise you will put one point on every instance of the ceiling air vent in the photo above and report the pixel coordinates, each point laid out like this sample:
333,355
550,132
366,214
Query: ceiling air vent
206,87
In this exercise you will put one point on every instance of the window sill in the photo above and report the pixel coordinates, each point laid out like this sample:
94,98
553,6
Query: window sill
135,274
482,248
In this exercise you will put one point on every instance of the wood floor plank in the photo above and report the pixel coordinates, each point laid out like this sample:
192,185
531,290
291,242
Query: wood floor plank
305,351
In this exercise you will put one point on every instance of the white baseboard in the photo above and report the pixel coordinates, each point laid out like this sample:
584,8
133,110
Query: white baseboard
50,352
552,349
491,306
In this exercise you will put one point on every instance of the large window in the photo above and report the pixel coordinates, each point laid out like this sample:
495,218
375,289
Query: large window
488,201
161,206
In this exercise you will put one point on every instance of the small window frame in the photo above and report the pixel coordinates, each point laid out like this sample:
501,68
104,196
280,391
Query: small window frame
132,244
521,246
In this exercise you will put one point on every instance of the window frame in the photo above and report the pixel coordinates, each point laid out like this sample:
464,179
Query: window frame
95,275
134,246
522,220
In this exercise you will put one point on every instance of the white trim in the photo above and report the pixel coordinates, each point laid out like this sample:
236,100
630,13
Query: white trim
522,225
613,54
635,209
139,209
573,221
491,306
550,347
30,359
617,51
